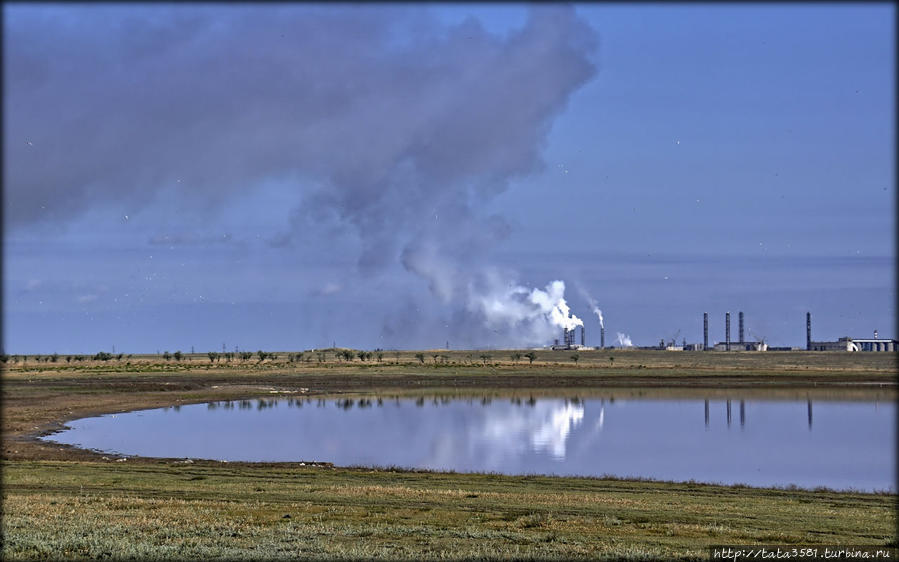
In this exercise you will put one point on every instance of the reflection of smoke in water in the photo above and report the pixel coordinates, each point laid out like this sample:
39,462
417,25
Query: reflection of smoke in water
553,433
514,431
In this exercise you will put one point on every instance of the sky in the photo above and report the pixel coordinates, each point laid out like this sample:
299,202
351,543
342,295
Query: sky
416,176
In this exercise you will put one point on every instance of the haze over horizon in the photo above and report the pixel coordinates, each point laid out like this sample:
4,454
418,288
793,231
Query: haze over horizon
406,176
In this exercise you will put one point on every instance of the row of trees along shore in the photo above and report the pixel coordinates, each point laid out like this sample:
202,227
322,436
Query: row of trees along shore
321,356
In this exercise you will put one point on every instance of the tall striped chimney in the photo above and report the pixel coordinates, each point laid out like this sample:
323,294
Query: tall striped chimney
808,331
705,331
727,331
741,327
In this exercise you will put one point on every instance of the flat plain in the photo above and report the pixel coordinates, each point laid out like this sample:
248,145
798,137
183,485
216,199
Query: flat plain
64,503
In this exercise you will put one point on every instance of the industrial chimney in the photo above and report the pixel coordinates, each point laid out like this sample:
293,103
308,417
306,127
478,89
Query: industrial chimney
808,331
602,337
705,331
583,337
741,327
727,331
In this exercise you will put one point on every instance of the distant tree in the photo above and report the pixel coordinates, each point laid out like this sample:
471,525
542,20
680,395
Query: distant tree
484,357
166,355
320,356
611,361
4,358
299,357
380,355
246,355
362,355
436,356
420,357
54,358
178,355
68,358
212,356
261,355
531,356
516,357
575,357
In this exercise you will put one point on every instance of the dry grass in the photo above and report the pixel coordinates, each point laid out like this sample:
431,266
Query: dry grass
214,510
60,503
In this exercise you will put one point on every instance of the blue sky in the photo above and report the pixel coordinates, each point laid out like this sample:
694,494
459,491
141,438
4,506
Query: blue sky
292,176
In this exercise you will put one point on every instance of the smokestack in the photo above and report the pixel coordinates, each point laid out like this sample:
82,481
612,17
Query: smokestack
583,336
727,331
705,331
602,338
741,327
808,331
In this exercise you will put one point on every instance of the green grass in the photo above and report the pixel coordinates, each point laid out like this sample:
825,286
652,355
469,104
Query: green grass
218,510
63,503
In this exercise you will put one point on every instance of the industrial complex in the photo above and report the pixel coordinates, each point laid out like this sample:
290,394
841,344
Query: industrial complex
845,343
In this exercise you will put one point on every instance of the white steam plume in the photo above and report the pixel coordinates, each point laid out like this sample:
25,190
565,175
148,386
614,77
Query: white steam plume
594,306
624,340
533,315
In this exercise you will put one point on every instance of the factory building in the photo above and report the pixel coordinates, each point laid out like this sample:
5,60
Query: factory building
728,344
853,344
569,339
847,343
741,346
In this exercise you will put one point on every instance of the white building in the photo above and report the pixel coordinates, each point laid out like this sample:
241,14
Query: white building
853,344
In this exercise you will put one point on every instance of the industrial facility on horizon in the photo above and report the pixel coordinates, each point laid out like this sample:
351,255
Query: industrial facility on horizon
845,343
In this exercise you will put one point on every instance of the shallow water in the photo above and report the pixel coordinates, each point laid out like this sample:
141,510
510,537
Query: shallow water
840,445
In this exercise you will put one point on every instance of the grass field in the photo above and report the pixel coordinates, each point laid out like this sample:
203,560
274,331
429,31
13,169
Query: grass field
60,502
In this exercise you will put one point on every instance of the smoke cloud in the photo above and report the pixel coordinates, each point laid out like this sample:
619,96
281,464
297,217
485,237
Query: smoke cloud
390,126
624,340
594,306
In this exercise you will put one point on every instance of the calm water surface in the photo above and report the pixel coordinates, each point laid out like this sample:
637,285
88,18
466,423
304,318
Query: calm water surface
840,445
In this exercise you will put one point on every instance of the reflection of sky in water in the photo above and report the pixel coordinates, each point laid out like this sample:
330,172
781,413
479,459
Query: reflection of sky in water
764,443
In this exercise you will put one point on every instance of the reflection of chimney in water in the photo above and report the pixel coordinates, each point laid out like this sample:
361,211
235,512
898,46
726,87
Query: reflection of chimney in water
810,414
728,413
706,414
742,413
